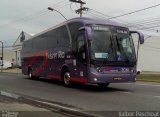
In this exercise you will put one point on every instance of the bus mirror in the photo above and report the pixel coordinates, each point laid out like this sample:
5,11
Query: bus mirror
141,36
89,33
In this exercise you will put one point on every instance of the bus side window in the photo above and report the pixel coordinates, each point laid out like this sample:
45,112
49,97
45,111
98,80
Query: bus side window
63,40
81,47
73,27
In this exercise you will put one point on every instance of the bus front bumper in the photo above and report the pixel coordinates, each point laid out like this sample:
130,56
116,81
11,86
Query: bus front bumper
95,78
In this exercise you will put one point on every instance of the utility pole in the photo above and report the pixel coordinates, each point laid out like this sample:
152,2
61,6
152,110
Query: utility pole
80,12
2,57
81,9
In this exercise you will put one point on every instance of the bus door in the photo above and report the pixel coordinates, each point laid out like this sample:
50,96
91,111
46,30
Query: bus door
81,56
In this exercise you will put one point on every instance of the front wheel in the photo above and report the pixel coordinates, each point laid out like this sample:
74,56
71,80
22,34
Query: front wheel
66,78
30,76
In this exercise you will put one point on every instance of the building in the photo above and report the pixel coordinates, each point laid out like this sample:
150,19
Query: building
149,54
17,47
8,57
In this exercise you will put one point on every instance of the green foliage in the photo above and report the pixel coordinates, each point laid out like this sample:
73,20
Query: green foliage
154,77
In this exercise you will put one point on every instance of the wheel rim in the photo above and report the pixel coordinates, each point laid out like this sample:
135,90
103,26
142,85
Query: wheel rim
67,78
30,74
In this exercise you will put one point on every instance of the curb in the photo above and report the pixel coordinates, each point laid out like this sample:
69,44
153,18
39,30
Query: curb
12,72
53,106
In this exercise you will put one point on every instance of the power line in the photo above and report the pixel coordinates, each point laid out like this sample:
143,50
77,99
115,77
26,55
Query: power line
126,23
135,11
155,26
91,14
35,15
98,14
145,21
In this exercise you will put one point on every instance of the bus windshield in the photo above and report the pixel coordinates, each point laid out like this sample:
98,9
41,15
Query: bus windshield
111,45
125,48
101,45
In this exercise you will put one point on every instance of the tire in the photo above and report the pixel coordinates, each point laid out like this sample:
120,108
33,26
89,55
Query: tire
138,72
103,85
66,78
30,76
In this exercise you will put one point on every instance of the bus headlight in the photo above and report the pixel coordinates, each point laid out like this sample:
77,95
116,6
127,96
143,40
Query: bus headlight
95,79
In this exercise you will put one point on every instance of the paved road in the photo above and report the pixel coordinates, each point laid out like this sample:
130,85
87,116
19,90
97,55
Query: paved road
139,96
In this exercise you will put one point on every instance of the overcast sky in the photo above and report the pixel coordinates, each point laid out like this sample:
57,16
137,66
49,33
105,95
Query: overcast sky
33,17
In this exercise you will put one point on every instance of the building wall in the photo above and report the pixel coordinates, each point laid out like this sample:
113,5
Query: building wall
149,54
17,53
8,56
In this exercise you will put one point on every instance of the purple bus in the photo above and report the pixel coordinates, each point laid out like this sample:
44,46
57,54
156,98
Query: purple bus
82,50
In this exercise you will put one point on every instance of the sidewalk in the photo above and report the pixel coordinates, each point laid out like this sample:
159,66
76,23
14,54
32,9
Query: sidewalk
13,108
9,104
15,70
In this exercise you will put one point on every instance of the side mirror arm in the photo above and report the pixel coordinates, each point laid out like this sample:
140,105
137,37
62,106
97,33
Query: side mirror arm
141,36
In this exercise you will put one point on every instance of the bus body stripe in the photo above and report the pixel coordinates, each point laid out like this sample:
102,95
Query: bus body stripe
74,79
53,77
79,79
44,62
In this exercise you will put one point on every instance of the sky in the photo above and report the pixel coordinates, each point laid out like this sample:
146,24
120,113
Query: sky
33,17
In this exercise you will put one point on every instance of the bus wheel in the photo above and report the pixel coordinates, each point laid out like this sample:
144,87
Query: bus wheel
66,78
103,85
30,74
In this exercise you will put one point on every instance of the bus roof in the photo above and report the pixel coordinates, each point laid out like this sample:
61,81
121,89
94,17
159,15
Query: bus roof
87,20
84,21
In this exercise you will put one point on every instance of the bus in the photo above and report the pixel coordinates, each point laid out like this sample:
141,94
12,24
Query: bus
83,50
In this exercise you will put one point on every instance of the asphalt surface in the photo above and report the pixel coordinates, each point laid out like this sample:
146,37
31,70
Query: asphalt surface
139,96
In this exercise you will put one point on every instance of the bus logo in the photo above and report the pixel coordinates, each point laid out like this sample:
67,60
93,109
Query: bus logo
55,55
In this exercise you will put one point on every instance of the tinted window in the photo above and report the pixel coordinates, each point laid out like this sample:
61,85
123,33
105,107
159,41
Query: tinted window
27,46
63,36
40,43
52,37
80,51
74,29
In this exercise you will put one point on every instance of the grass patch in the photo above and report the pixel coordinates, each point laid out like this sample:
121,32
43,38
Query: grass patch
155,77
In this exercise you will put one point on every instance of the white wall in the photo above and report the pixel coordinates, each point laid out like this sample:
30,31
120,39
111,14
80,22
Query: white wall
6,64
149,54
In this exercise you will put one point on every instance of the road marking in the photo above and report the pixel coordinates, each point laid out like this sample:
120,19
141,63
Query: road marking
11,95
149,85
126,92
157,96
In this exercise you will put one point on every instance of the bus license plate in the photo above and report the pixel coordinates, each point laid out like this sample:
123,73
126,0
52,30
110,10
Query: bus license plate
117,78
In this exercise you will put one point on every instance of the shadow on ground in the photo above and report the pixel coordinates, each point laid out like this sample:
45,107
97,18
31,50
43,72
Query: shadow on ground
83,87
